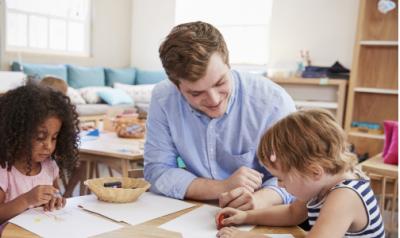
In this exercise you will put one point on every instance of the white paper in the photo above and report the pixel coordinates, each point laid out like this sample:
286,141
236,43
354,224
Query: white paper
148,206
280,235
199,222
71,221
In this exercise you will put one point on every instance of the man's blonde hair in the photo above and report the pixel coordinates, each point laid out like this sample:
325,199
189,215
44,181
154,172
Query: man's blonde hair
304,138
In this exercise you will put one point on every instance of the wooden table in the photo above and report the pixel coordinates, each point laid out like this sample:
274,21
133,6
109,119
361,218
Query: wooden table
108,148
150,229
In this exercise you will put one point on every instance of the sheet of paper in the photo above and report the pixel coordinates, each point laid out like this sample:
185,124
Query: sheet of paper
197,223
280,235
148,206
71,221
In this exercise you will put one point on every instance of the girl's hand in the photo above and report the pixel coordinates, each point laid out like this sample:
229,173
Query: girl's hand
232,216
56,202
232,232
40,195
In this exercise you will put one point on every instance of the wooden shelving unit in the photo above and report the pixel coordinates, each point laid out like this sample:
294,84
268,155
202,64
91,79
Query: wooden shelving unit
329,94
373,88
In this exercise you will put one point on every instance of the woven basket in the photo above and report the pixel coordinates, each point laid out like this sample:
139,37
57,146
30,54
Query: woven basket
130,191
129,127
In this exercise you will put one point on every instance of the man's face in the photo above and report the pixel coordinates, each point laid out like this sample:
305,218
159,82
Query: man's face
210,94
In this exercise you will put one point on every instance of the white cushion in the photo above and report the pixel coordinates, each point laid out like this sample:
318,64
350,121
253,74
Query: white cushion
90,94
75,97
139,93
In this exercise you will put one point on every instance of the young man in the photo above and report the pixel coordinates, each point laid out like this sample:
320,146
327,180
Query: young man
211,117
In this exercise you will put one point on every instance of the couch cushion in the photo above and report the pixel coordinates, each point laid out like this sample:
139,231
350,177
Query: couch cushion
75,96
126,76
79,77
115,97
38,71
149,77
139,93
90,94
92,109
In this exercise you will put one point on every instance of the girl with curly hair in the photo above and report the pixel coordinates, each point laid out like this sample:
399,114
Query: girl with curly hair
38,136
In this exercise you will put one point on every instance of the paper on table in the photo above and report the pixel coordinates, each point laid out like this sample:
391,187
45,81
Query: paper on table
280,235
148,206
71,221
197,223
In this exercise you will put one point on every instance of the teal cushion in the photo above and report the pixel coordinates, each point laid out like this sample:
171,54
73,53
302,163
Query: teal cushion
79,77
125,76
149,77
38,71
115,97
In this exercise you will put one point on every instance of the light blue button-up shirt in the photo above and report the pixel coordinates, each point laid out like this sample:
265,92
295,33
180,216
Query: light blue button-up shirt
212,148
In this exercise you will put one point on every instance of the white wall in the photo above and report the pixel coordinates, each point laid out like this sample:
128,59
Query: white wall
324,27
111,38
151,22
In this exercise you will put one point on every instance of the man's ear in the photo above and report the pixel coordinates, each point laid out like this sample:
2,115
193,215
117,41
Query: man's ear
317,171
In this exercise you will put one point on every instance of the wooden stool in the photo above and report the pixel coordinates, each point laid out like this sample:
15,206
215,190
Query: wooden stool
384,182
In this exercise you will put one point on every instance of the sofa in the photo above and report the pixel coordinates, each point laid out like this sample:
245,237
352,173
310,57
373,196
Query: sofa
95,90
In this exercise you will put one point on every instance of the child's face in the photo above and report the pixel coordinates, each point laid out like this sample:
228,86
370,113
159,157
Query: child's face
302,187
44,143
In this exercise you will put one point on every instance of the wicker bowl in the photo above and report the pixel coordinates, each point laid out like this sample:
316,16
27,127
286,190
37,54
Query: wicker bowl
129,127
130,191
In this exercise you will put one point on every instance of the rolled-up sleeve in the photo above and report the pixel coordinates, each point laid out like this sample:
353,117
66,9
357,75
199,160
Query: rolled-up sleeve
272,184
160,165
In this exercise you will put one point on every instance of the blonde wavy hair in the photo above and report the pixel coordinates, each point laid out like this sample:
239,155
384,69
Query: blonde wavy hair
304,138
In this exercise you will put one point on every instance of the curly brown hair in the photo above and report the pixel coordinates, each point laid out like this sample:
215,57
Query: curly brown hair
304,138
22,111
187,49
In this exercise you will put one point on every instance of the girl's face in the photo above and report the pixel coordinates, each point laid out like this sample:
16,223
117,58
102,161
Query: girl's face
302,187
44,143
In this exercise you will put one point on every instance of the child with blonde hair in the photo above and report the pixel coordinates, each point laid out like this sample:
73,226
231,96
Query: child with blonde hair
55,83
308,154
38,135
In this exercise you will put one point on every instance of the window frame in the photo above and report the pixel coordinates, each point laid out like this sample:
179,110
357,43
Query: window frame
48,51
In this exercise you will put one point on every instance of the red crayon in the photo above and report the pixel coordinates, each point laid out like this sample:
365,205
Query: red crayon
221,217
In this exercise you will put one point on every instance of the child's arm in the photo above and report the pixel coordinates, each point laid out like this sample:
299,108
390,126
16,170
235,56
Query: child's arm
39,195
280,215
343,209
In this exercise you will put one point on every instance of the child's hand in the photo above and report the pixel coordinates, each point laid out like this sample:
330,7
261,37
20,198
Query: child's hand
40,195
232,217
232,232
56,202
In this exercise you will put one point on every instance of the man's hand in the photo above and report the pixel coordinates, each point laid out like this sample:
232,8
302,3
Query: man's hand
239,198
244,177
40,195
242,199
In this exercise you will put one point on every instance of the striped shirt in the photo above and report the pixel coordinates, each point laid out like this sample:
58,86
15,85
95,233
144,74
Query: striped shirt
375,227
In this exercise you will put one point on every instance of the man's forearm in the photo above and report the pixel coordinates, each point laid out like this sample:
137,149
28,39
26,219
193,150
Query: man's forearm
205,189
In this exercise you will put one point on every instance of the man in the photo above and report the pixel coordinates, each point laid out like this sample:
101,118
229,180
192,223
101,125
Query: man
212,118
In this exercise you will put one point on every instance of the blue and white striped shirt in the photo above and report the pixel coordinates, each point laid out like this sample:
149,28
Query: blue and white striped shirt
212,148
374,228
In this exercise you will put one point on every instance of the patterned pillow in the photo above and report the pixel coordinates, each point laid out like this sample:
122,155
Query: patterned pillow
90,94
75,97
139,93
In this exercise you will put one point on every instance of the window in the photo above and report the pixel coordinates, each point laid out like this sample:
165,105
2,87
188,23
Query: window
244,23
48,26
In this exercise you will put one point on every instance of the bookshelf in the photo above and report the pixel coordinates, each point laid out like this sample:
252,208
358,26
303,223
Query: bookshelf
329,94
373,86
